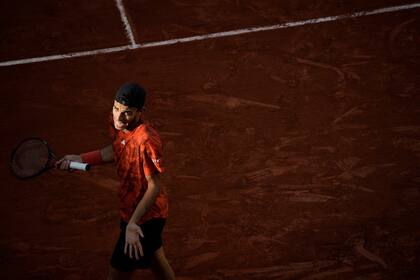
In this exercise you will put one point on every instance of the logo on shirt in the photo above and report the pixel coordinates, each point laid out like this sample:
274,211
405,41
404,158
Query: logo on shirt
123,142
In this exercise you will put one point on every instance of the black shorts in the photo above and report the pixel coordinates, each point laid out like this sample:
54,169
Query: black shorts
152,231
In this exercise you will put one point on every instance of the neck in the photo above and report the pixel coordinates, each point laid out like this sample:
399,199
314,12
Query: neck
133,126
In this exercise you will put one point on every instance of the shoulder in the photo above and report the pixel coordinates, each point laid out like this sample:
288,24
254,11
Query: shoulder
147,134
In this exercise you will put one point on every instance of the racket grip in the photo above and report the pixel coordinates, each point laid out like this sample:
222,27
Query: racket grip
79,166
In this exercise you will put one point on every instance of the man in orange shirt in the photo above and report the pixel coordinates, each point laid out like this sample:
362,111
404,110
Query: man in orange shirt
137,150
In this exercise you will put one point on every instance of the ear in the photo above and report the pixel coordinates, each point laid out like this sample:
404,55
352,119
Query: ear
139,113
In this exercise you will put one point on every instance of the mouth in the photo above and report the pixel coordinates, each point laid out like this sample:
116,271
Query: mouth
120,125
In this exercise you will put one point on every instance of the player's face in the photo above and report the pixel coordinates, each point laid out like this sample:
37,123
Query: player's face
125,117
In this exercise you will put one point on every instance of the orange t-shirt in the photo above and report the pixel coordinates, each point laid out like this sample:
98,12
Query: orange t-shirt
138,154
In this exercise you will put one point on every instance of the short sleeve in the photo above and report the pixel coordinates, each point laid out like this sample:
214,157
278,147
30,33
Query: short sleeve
151,153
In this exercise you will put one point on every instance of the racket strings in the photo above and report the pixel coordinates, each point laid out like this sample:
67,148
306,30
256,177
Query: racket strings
30,157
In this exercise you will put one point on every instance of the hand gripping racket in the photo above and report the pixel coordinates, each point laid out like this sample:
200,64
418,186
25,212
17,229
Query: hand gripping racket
33,156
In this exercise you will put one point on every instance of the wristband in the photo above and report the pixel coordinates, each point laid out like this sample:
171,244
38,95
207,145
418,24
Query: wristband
92,158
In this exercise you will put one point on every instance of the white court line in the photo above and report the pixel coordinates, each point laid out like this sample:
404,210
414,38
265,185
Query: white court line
65,56
212,35
279,26
127,26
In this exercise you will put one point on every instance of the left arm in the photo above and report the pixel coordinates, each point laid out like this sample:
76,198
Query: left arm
151,153
149,198
132,240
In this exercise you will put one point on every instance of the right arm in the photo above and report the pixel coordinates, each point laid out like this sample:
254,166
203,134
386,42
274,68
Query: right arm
106,155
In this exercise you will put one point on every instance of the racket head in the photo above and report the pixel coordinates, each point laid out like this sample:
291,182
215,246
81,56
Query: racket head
31,157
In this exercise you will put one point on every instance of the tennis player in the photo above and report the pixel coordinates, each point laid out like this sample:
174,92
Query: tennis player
137,150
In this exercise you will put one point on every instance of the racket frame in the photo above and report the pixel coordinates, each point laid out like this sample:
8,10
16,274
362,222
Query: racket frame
48,165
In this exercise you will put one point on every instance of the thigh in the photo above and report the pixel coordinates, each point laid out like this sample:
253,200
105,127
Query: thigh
114,274
160,265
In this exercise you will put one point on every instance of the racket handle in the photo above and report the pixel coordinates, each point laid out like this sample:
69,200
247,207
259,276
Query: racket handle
79,166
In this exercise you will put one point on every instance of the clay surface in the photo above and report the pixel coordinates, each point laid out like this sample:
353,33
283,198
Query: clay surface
290,154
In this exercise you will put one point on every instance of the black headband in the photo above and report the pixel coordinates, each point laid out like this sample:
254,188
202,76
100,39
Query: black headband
131,95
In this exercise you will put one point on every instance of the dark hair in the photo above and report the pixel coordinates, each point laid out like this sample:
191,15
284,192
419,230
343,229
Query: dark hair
131,95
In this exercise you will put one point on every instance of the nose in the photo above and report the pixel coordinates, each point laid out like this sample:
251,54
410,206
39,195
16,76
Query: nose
121,117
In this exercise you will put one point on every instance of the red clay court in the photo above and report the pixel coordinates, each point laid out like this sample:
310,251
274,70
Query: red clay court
292,151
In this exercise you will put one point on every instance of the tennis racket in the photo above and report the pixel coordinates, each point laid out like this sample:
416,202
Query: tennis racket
33,156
